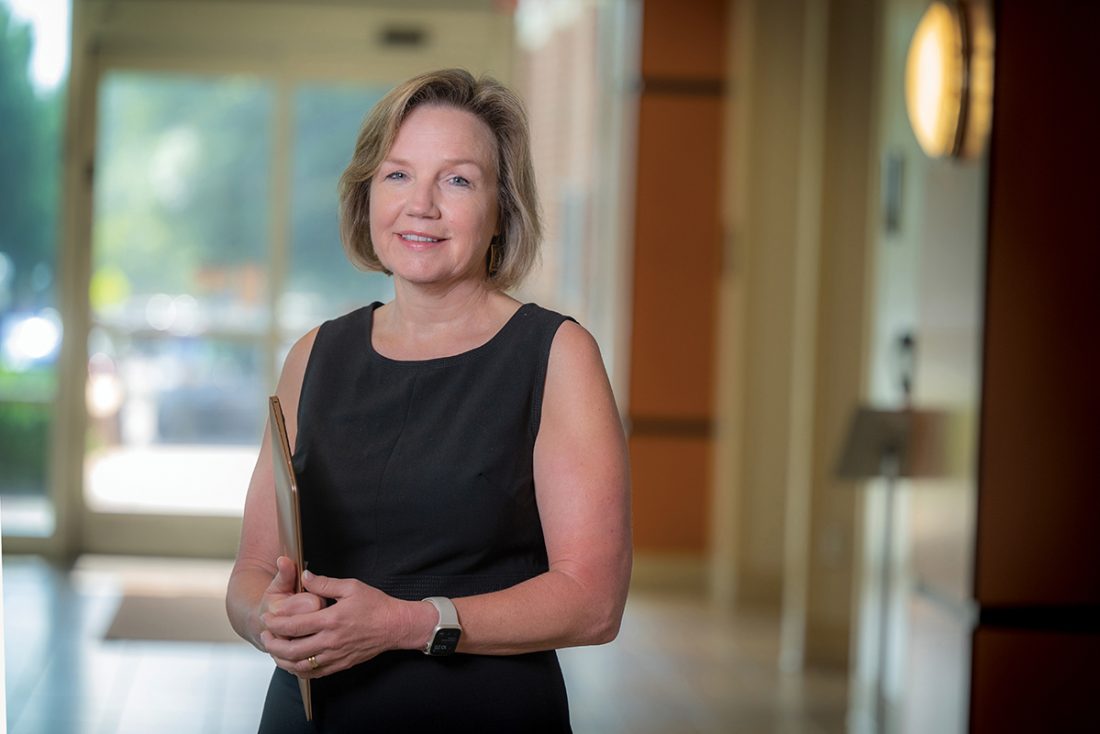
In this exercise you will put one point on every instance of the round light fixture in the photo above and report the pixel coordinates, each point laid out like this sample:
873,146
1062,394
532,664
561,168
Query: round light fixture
948,82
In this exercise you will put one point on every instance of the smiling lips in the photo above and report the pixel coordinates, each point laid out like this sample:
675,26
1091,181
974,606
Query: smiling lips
417,238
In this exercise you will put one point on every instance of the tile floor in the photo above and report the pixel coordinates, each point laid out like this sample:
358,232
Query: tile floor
677,667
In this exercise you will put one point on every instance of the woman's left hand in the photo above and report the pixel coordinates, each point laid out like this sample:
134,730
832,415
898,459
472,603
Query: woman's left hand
360,623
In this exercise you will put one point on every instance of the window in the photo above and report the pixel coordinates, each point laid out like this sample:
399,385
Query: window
202,276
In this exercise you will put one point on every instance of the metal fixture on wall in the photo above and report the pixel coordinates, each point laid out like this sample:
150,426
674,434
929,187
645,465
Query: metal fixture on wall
949,80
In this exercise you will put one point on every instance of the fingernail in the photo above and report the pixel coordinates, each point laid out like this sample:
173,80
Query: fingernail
308,575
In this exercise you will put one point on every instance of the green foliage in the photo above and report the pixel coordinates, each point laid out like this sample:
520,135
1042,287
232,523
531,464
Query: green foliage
34,385
30,178
182,182
25,428
24,439
326,121
29,167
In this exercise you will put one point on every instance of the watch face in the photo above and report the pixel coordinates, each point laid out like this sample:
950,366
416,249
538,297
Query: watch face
445,642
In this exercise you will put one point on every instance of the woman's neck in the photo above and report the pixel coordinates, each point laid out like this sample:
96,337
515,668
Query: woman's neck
419,324
416,309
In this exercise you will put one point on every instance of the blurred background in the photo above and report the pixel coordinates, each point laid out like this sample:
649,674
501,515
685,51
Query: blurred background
840,256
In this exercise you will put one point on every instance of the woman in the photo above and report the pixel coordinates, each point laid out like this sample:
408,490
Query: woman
457,453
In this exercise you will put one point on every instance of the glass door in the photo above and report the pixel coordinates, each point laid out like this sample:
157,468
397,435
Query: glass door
33,75
179,299
319,281
215,246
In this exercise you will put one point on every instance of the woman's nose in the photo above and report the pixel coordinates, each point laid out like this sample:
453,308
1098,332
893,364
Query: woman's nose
421,202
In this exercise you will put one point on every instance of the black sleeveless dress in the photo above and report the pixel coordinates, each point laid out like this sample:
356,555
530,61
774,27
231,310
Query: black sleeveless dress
416,477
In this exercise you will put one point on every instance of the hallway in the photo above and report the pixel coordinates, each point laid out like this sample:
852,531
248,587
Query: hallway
677,666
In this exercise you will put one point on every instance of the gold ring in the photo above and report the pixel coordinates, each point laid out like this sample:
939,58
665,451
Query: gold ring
313,662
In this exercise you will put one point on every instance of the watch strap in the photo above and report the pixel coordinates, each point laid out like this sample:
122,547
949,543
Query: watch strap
444,638
448,615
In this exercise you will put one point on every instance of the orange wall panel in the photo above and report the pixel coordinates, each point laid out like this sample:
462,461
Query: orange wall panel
676,256
684,39
677,248
670,510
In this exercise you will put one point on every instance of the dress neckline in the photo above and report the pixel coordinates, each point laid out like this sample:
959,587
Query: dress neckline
436,361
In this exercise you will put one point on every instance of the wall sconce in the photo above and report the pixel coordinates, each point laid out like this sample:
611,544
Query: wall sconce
949,80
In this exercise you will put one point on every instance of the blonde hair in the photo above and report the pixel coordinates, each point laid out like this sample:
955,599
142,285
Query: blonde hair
502,111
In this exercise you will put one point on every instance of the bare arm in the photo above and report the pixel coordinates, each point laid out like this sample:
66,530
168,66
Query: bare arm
583,490
583,493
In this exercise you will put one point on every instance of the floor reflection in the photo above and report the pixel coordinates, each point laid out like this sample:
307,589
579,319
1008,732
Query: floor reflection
678,665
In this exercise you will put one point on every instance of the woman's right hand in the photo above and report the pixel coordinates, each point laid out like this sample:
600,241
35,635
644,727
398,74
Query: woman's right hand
280,598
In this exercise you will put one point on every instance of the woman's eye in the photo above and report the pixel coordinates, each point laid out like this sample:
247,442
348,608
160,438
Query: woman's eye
395,176
459,181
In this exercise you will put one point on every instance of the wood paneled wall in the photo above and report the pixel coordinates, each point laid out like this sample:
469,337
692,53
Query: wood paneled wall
1038,553
677,246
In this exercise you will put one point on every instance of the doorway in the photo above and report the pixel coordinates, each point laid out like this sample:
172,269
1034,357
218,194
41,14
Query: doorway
211,225
214,246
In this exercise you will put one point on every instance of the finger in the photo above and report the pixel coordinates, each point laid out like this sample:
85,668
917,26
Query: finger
297,661
327,587
288,648
283,582
311,667
303,603
293,626
270,642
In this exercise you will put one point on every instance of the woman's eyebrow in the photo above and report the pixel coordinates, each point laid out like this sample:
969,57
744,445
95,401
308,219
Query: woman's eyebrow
444,161
461,162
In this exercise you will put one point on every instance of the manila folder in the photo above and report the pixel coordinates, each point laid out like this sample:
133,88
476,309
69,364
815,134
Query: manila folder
290,521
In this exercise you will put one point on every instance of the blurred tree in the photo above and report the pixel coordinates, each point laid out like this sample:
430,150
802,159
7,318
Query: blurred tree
182,177
326,124
183,185
30,139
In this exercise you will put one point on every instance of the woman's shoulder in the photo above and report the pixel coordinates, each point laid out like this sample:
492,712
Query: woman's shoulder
563,341
546,319
294,366
354,319
577,389
574,346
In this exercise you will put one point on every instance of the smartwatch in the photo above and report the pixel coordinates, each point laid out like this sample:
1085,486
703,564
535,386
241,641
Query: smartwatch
444,638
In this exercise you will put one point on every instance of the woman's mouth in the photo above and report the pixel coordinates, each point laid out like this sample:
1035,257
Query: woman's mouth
415,237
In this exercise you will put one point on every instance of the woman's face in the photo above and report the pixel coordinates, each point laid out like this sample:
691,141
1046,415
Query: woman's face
433,201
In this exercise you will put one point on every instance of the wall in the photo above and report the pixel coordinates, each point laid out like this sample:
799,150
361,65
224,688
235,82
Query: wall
996,587
577,68
848,223
793,328
677,241
757,317
1037,577
927,277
